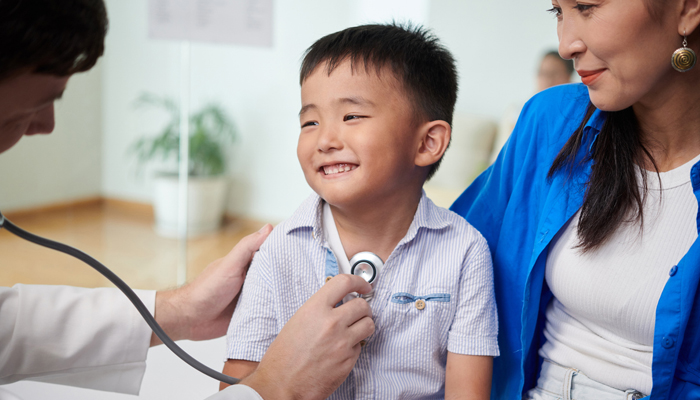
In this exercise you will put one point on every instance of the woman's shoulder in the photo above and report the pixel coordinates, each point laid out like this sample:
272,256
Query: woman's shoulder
552,115
572,95
558,103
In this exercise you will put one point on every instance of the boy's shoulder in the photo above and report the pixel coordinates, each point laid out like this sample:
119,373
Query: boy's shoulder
451,226
301,224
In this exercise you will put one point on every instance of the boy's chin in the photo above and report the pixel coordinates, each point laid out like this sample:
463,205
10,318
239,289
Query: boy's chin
340,200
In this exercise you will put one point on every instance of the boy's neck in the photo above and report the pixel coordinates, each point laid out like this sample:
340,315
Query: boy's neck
378,227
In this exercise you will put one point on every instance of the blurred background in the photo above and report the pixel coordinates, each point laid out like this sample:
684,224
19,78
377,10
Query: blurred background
92,185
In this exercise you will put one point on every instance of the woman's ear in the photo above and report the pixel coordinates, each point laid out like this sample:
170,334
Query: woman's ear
435,137
690,17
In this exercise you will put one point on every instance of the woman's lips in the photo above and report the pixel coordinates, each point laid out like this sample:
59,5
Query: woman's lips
588,77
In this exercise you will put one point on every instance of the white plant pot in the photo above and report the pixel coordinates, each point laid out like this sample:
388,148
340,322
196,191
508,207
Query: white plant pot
205,205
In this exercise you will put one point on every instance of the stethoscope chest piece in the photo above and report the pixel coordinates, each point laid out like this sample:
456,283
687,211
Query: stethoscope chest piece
366,265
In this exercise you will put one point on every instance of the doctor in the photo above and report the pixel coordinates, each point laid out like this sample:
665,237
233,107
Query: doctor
94,338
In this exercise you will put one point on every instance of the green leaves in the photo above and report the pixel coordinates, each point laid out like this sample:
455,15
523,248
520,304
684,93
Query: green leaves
210,129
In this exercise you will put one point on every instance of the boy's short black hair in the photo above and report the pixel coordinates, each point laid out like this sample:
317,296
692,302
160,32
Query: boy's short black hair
57,37
424,67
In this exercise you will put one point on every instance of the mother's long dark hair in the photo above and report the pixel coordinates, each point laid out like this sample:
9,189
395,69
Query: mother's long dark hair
613,195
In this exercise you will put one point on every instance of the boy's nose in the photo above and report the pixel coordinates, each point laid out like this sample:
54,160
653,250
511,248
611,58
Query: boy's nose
329,140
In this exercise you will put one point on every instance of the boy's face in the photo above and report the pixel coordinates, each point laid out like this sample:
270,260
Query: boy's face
359,136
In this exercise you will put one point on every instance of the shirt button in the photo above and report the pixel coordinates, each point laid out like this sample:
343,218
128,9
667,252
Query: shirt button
673,270
667,342
328,278
420,304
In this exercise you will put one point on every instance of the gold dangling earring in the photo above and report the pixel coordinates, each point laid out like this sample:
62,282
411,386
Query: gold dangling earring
683,59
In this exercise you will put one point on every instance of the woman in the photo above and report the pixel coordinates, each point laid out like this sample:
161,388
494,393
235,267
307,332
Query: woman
591,214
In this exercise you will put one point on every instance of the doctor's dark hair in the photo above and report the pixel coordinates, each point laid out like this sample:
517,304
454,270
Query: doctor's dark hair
613,195
57,37
419,62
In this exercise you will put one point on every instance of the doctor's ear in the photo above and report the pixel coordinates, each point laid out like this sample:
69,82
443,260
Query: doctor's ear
434,139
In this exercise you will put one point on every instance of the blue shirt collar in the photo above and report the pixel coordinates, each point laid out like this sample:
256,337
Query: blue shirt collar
593,127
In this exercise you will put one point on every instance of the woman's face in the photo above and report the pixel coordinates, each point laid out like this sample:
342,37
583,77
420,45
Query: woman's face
620,50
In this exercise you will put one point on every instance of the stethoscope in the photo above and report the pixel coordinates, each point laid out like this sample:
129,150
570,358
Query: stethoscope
121,285
366,265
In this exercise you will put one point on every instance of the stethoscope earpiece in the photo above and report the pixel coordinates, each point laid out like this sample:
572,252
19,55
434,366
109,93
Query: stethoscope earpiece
366,265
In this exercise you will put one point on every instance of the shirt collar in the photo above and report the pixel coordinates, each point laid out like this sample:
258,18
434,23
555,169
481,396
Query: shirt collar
593,127
427,216
309,215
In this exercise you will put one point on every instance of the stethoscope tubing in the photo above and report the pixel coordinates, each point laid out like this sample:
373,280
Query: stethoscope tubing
128,292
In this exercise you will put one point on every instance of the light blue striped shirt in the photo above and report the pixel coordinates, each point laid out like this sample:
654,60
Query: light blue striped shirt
442,260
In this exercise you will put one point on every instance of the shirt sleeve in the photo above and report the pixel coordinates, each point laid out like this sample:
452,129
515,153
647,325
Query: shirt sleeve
236,392
474,330
253,326
89,338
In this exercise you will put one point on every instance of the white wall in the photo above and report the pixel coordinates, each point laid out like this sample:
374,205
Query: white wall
65,165
496,44
132,65
258,86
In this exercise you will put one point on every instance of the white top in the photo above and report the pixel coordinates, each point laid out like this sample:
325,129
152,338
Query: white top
601,320
330,233
89,338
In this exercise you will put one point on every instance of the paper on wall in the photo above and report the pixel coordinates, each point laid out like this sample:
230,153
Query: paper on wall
246,22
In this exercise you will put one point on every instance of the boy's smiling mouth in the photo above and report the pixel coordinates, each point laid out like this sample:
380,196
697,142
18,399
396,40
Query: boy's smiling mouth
337,168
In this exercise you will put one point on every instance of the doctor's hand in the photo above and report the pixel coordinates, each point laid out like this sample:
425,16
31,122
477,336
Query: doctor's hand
319,345
202,309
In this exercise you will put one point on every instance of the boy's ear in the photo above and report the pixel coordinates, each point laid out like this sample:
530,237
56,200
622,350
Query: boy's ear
435,137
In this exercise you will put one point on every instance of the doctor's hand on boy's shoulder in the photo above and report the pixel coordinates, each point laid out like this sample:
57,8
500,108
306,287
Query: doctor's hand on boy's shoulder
318,347
202,309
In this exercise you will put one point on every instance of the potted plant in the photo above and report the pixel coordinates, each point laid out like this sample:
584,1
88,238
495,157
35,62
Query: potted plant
210,130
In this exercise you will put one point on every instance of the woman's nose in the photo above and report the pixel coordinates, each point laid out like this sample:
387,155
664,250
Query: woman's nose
571,44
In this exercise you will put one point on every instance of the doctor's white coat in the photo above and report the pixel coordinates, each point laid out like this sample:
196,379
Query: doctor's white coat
89,338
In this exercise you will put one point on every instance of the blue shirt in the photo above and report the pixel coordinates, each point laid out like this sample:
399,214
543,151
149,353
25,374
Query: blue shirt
442,264
519,212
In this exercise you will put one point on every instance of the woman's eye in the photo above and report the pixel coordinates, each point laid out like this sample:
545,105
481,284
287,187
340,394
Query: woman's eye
556,11
310,123
582,8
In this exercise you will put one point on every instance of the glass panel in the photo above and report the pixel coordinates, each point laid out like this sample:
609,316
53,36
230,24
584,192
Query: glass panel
84,184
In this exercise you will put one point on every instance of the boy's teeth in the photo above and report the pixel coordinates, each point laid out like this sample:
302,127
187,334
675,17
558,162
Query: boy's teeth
338,168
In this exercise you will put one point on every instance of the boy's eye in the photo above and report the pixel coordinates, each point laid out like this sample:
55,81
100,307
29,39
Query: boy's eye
310,123
351,117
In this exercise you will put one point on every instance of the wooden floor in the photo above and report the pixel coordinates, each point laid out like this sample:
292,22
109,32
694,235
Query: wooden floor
120,237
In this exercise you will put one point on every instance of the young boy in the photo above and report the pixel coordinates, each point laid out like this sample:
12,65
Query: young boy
377,103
